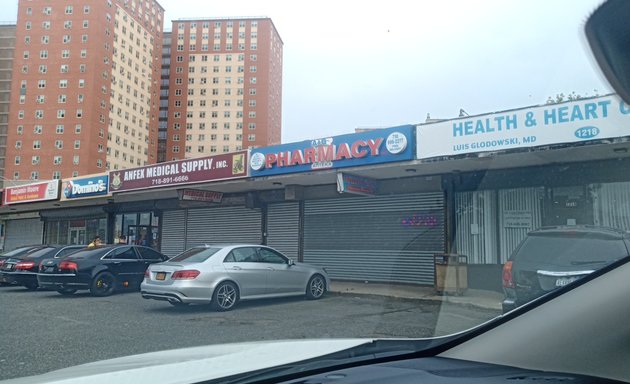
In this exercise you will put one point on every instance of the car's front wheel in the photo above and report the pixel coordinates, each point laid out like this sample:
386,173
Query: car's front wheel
103,284
316,287
225,296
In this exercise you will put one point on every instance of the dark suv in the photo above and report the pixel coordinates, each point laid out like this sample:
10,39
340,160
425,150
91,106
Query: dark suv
552,257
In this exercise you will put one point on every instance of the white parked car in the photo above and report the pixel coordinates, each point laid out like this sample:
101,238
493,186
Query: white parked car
223,275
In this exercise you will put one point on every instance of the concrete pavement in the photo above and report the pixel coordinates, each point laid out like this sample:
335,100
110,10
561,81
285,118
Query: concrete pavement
479,298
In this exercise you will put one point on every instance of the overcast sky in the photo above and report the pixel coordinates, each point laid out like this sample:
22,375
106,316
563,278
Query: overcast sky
350,64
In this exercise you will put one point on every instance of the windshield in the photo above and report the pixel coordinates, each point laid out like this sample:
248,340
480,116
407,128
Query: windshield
382,170
195,255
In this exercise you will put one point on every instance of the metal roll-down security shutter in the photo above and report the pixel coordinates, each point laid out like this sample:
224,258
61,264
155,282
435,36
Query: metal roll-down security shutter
23,232
225,225
385,238
283,222
173,232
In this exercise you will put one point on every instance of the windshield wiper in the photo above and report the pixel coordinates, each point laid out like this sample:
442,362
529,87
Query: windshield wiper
588,262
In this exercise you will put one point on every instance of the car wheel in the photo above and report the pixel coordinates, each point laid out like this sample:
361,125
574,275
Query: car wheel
103,284
67,291
316,287
225,296
31,286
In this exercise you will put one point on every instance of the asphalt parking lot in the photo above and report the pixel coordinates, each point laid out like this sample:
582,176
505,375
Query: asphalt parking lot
43,331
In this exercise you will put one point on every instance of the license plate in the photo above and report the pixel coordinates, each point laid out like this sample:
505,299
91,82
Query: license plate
160,276
562,281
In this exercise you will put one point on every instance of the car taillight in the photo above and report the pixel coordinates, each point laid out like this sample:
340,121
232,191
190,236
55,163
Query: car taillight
185,274
68,266
508,281
146,274
24,265
1,262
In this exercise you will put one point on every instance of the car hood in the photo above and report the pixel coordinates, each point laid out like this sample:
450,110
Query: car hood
190,365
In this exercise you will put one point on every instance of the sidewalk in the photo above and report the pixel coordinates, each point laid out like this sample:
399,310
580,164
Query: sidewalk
479,298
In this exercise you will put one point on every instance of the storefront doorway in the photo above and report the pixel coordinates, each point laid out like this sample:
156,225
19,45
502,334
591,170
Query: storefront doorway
76,235
142,235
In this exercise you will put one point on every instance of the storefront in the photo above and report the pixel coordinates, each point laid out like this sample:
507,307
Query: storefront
26,228
361,228
78,225
494,209
175,228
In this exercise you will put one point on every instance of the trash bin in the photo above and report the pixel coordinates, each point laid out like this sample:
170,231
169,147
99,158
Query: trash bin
451,273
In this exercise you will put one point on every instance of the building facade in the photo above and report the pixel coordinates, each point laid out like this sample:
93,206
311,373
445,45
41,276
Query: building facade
225,86
84,95
7,49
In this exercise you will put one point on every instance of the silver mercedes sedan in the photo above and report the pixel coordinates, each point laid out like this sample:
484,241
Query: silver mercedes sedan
224,275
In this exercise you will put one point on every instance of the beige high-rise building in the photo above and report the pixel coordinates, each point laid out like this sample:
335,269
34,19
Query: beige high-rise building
225,86
85,89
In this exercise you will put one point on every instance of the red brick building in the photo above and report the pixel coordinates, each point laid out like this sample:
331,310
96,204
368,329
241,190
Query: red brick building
225,86
85,87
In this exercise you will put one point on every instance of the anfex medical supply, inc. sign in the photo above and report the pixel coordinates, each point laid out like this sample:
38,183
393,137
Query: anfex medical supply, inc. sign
371,147
180,172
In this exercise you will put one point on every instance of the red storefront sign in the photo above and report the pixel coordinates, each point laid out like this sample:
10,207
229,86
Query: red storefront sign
29,193
180,172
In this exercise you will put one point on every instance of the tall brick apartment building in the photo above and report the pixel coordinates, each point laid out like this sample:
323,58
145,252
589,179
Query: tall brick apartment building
85,87
225,86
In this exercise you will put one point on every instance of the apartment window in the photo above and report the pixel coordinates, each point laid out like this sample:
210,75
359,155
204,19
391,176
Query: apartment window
226,137
252,114
83,53
175,137
253,57
43,68
18,160
68,10
86,9
57,160
251,137
81,83
39,114
59,144
35,175
99,163
188,149
66,39
41,84
86,23
37,144
46,25
20,129
176,149
65,53
84,38
18,144
61,113
251,126
77,130
26,55
252,91
82,68
226,148
37,129
75,173
59,129
56,175
75,160
64,68
77,144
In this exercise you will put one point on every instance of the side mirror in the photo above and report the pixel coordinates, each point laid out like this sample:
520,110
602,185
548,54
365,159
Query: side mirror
608,35
291,262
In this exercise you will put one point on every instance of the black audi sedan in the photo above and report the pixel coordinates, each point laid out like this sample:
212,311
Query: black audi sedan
20,251
22,269
101,270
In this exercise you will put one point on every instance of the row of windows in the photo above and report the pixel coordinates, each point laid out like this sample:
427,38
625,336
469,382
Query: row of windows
61,114
65,39
37,144
47,25
217,47
43,54
63,68
59,129
217,35
213,137
214,126
69,10
56,175
217,24
202,148
215,103
214,114
57,160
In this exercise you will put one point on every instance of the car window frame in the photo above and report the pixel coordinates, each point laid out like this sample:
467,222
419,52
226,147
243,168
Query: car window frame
106,256
140,248
257,260
273,252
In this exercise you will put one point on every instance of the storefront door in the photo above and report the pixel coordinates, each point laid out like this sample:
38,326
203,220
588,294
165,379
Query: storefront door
76,235
142,235
569,206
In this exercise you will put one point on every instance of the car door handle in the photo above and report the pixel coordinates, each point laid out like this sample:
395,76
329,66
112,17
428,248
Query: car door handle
117,263
236,268
269,268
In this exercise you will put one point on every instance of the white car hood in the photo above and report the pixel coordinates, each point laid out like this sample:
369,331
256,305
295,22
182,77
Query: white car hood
190,365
